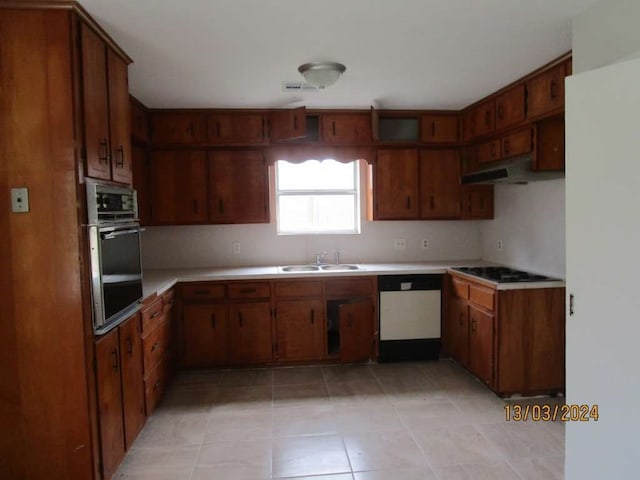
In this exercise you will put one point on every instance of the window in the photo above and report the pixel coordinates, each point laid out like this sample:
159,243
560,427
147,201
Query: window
317,197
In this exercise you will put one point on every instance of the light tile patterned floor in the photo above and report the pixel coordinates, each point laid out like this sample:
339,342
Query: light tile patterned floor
402,421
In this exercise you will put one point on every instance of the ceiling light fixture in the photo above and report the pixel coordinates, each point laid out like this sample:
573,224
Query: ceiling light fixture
321,74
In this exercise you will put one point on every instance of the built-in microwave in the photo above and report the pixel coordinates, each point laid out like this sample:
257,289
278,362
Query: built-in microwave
115,256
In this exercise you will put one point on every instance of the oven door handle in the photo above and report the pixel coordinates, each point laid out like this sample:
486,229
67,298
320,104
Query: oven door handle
118,233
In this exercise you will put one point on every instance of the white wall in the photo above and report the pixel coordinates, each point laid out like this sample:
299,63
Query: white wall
606,33
530,221
200,246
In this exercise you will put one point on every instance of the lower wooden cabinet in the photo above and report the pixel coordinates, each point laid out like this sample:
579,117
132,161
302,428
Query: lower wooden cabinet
283,322
121,407
512,340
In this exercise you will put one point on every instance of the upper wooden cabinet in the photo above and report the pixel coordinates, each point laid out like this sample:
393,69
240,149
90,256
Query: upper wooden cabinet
139,122
440,128
439,184
346,128
178,187
483,121
238,187
510,107
241,128
106,110
285,125
477,202
546,92
395,185
179,127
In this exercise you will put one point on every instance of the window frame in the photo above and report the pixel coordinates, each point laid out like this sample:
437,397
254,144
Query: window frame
354,192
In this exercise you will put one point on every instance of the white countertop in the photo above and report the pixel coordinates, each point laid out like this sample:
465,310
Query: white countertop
158,281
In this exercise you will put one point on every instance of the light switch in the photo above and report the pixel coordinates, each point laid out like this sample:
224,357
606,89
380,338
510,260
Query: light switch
20,200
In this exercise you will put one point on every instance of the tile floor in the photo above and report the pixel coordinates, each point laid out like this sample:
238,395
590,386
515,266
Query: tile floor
403,421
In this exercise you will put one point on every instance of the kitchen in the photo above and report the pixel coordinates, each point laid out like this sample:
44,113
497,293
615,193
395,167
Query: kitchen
527,242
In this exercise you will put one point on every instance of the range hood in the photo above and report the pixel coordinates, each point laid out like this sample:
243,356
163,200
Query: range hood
513,170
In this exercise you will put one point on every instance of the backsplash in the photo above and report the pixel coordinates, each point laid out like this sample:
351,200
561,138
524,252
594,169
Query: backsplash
530,222
212,245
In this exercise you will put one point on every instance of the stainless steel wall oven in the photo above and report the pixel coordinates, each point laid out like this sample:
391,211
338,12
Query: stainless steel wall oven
114,250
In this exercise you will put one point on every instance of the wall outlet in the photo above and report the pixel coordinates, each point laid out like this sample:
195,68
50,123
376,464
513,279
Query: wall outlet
399,243
499,245
425,243
235,247
20,200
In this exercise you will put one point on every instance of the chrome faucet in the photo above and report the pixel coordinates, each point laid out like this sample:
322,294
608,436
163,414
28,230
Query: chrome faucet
336,257
320,257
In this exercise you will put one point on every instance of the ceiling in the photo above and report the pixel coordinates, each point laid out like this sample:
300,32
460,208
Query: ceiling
401,54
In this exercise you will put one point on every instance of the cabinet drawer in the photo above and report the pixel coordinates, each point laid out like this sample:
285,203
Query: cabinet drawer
345,287
154,386
249,290
460,288
168,300
299,288
203,291
482,296
155,345
151,315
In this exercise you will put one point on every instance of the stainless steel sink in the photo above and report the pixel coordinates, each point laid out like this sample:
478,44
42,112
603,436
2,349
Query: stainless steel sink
340,267
300,268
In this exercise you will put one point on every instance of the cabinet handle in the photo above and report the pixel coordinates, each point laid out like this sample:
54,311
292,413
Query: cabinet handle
155,314
103,151
295,122
473,326
213,320
156,385
155,346
500,111
461,322
493,150
481,203
220,205
248,290
350,320
120,157
114,365
190,129
553,89
408,202
218,129
195,206
487,118
312,315
202,292
433,128
506,146
240,318
130,346
431,202
333,128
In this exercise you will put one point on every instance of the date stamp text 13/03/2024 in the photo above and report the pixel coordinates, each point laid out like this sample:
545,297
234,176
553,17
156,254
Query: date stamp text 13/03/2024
551,413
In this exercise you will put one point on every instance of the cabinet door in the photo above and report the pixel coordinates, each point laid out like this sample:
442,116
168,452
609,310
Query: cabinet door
300,330
510,107
439,184
205,335
132,379
395,185
489,152
236,128
459,329
119,119
546,92
250,333
346,128
238,187
176,128
481,331
96,106
517,143
440,128
477,202
483,119
139,122
287,124
109,402
356,331
178,187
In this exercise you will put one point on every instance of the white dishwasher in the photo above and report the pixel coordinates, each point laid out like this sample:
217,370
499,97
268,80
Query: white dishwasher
410,311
